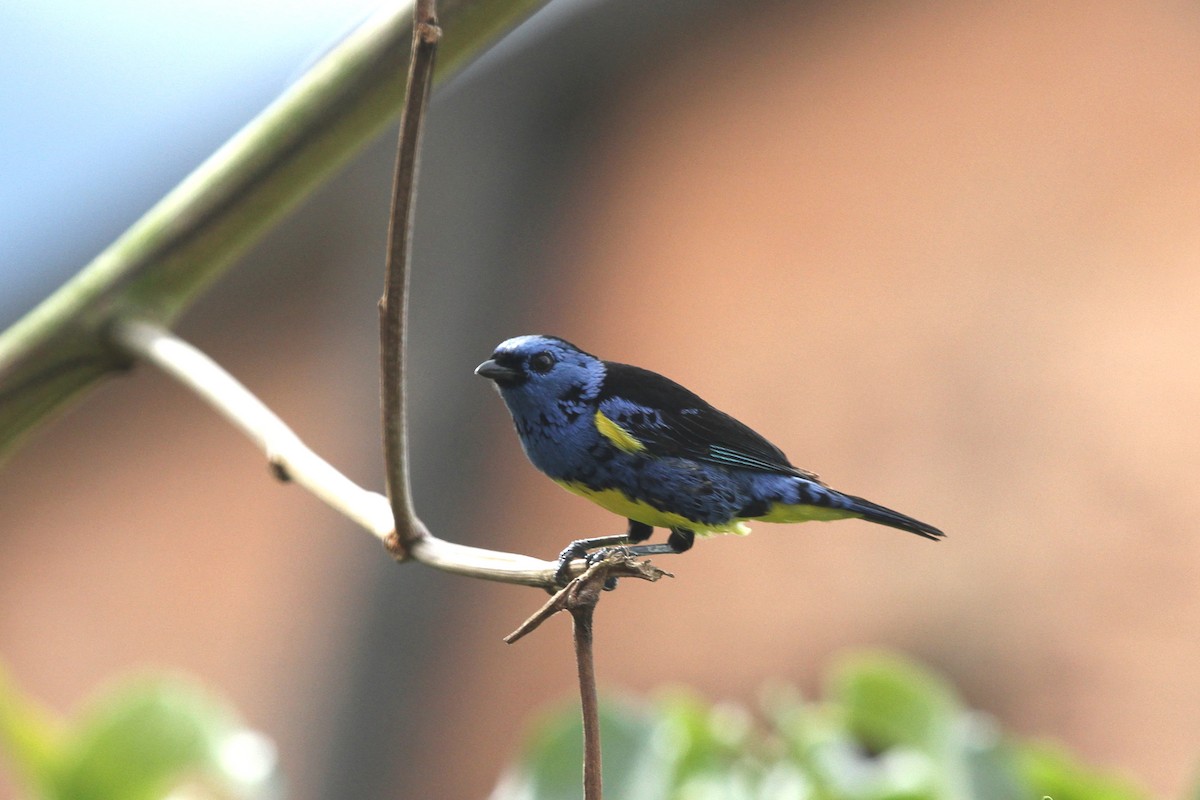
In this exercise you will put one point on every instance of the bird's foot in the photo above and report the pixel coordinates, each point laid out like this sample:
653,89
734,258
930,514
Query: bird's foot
599,555
580,548
576,549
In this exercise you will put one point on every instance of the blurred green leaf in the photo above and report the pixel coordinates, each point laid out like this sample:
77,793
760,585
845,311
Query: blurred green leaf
1194,794
149,735
888,730
991,763
139,740
700,738
1050,771
30,737
890,702
552,766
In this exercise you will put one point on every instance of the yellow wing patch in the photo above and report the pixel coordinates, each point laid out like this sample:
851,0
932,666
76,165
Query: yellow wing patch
620,437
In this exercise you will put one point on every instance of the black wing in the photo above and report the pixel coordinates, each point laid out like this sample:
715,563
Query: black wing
670,420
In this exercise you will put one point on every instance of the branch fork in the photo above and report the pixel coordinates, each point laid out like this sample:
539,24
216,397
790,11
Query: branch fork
583,592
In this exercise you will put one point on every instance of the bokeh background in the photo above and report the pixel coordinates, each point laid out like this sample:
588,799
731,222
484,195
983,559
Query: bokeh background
945,254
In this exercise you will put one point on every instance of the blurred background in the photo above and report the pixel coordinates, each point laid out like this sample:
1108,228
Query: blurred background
944,254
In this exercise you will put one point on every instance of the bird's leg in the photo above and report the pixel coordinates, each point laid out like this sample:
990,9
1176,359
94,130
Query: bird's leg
680,541
637,532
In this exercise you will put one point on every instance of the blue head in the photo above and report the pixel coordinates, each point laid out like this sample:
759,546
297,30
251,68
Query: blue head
550,387
543,375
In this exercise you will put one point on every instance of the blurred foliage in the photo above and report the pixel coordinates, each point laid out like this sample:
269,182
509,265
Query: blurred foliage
144,738
886,730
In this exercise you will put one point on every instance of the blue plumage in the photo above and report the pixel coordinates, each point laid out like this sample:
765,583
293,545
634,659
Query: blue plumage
650,450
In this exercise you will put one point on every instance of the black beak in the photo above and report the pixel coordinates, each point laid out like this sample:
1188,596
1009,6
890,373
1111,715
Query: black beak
494,372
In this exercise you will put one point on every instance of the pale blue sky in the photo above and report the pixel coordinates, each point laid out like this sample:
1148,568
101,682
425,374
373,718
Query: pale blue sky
105,106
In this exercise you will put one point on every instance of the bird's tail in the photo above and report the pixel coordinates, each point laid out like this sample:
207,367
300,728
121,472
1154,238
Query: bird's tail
799,500
873,512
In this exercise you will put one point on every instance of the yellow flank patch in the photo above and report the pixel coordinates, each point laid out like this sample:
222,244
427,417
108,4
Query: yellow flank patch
618,502
782,512
622,438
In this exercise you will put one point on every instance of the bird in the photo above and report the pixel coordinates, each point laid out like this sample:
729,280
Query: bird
644,447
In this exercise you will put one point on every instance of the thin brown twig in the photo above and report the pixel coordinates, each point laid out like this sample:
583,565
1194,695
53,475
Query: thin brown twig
393,306
579,597
583,615
616,565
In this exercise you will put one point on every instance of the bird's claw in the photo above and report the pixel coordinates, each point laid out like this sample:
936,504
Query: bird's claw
577,549
596,557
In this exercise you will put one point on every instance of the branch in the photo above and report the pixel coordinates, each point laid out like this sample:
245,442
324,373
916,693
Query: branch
580,597
393,306
617,564
292,460
583,614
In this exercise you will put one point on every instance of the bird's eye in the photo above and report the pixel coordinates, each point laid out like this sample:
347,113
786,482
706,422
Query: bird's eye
542,362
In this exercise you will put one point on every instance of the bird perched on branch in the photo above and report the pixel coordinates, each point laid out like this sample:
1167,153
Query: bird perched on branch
646,448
